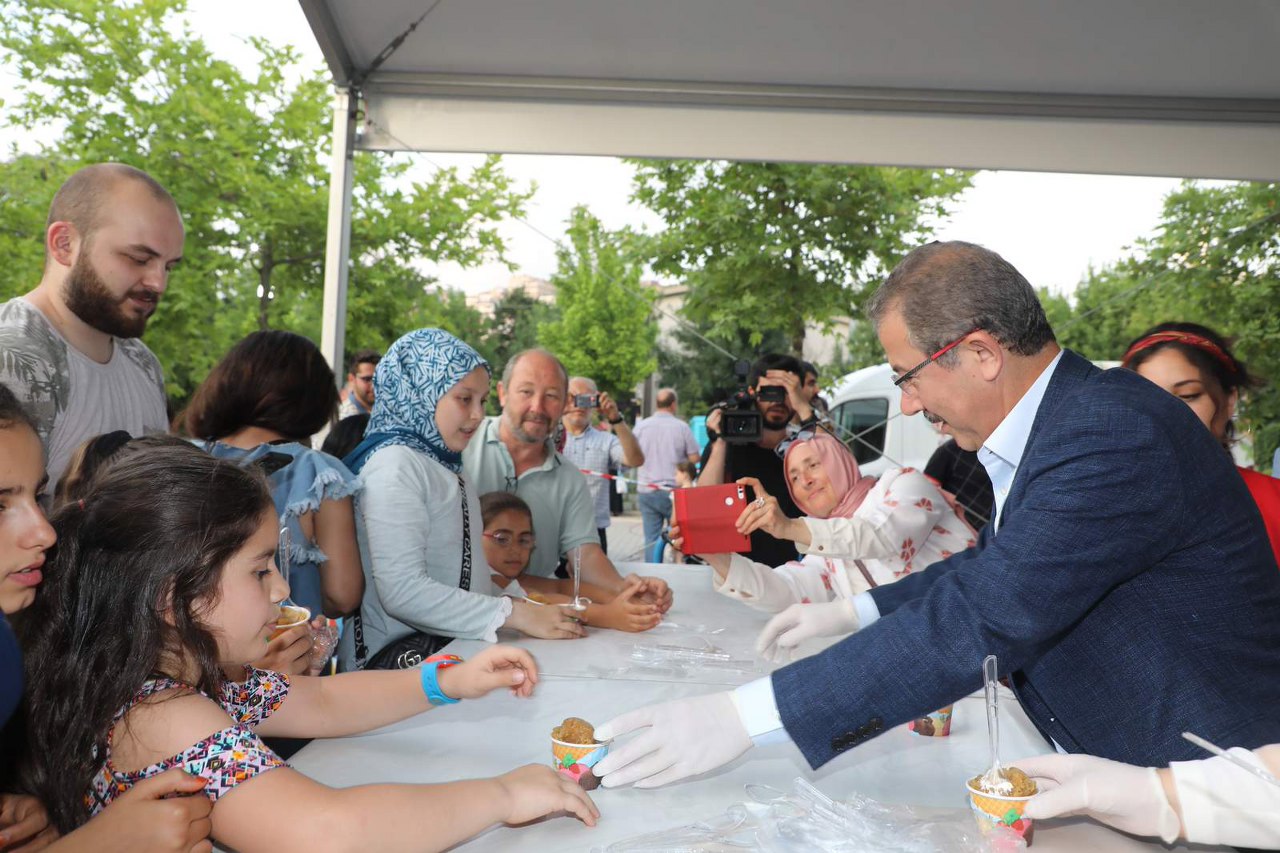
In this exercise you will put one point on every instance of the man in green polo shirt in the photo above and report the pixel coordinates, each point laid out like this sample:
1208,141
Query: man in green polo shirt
513,453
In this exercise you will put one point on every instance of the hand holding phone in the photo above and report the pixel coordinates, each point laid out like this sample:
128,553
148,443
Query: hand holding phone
707,518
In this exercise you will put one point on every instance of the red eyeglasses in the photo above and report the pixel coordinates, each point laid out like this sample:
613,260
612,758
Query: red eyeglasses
910,374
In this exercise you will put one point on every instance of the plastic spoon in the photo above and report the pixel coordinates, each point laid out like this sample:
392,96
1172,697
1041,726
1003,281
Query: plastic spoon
579,603
993,781
1234,759
286,546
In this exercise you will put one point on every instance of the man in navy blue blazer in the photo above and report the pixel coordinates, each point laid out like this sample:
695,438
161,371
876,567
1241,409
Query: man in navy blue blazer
1125,581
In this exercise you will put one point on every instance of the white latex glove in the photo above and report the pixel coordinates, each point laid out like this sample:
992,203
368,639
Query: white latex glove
1120,795
801,622
681,738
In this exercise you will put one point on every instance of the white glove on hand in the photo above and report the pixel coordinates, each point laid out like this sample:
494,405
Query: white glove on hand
684,737
801,622
1120,795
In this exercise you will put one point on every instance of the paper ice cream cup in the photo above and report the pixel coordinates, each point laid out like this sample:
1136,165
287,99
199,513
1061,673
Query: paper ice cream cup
993,810
290,616
575,760
937,724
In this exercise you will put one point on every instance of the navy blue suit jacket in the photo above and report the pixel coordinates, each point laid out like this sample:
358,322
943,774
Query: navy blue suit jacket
1130,592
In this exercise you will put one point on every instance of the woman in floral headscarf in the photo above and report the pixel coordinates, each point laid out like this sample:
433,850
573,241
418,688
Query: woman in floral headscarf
418,520
875,531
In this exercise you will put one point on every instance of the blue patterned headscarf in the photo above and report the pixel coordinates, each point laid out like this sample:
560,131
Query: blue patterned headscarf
416,372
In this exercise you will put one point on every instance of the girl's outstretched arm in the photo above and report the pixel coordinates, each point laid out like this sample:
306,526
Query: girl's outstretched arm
283,809
354,702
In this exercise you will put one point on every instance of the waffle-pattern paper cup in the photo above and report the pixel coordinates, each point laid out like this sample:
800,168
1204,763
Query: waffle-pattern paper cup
937,724
994,810
576,759
290,616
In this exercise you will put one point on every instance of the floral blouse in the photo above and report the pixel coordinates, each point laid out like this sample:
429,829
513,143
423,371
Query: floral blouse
904,524
224,759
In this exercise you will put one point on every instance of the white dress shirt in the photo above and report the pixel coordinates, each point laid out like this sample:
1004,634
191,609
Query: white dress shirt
1000,454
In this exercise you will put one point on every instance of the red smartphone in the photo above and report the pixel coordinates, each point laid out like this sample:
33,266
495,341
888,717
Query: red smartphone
706,515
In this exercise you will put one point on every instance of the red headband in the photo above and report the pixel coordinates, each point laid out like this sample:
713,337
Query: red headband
1198,341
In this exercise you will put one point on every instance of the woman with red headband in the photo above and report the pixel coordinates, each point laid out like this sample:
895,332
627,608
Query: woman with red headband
1196,364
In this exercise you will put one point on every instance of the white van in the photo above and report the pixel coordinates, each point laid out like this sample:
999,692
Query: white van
865,406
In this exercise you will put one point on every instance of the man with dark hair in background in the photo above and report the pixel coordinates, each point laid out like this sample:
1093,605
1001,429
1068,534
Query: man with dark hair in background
359,398
960,472
725,462
809,387
70,348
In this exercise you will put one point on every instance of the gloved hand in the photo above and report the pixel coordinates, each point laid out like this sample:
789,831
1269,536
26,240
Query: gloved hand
800,622
1129,798
683,738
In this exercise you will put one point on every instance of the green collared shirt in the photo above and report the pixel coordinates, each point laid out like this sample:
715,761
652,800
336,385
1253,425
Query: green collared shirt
563,516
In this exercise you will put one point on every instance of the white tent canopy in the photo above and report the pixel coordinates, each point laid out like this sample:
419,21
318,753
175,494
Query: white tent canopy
1146,87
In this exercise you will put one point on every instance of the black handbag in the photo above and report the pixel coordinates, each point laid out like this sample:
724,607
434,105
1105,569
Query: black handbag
411,650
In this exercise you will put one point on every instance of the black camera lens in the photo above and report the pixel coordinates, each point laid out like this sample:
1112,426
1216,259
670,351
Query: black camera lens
741,427
771,394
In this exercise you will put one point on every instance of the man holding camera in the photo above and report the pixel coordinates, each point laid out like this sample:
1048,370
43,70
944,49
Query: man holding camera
776,392
593,450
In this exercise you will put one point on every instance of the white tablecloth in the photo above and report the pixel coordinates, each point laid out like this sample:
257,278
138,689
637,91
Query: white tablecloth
489,736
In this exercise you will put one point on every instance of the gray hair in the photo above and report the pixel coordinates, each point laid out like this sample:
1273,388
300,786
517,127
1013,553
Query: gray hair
590,383
666,398
510,366
946,290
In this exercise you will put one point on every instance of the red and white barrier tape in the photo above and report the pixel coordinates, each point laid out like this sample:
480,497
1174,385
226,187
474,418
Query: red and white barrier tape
655,487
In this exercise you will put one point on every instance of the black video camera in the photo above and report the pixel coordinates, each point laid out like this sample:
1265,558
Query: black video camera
586,401
740,421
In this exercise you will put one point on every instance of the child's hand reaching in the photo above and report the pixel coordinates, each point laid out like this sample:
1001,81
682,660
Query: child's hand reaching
535,790
630,610
492,669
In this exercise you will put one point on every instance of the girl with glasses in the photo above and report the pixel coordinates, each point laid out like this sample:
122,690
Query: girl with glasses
508,542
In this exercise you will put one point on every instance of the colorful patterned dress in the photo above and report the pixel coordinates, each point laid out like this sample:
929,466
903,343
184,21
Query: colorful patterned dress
224,759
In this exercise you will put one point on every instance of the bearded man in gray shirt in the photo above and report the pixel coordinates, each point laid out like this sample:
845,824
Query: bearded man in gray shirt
69,349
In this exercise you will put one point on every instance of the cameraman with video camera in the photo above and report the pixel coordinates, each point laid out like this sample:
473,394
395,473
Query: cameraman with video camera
744,432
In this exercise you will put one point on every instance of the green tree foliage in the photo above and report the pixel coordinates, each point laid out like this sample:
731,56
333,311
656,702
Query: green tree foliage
517,316
1214,260
1109,308
604,330
864,349
703,375
775,246
246,158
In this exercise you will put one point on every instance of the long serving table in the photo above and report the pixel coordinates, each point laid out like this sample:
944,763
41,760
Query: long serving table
604,675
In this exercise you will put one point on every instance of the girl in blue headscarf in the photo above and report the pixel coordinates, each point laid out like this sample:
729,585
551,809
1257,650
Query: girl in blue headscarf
418,519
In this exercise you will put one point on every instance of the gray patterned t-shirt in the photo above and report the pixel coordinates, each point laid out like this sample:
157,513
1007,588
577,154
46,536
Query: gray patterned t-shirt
71,396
